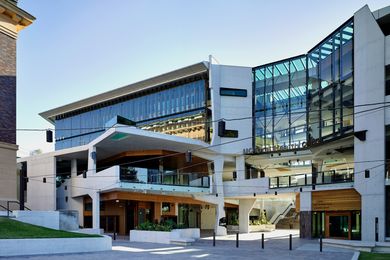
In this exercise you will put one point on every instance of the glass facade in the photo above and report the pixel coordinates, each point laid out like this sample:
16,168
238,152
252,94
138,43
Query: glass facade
330,86
183,101
306,99
280,104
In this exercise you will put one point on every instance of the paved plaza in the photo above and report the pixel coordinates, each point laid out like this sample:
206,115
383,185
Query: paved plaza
276,247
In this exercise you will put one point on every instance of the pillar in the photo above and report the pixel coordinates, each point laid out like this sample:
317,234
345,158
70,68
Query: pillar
92,160
96,210
305,215
218,188
244,209
73,168
240,167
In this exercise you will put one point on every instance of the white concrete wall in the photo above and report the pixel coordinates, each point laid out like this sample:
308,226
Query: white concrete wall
49,219
387,50
207,217
246,187
222,76
41,196
43,246
369,74
101,180
8,182
160,237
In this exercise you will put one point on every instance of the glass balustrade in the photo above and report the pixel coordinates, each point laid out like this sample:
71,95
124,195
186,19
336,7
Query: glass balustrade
326,177
154,176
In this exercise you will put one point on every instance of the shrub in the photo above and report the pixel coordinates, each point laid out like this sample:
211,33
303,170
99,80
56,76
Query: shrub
164,226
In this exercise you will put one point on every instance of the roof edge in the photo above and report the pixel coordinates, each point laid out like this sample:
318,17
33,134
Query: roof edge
128,89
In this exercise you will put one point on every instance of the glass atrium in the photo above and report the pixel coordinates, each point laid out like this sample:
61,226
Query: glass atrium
308,99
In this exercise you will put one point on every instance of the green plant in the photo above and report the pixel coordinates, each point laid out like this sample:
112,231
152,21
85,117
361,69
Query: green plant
233,219
261,221
164,226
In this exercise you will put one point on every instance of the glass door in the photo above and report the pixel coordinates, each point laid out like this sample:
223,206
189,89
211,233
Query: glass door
338,225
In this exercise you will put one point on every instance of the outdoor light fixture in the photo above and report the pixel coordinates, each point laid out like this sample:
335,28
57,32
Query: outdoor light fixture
49,136
188,157
300,189
216,194
276,193
361,135
254,194
93,155
367,174
44,180
313,187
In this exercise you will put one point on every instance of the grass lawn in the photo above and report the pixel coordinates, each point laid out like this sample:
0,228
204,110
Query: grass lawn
10,229
373,256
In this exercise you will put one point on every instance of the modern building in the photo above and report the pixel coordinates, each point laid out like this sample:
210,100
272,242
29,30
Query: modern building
303,140
12,20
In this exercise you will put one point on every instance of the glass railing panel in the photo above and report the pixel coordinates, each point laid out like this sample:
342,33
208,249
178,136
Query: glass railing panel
283,181
309,179
273,182
326,177
153,176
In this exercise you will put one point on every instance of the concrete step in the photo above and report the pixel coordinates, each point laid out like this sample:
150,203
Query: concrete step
182,241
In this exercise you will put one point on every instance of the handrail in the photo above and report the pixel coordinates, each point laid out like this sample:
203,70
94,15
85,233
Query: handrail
8,208
1,206
283,213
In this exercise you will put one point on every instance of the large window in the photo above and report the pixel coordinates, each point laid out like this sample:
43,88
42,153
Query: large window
330,86
176,102
280,104
307,99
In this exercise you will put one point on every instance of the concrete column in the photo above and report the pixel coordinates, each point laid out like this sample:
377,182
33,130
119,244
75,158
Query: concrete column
305,215
211,181
218,188
91,160
96,210
73,168
78,204
240,167
369,86
244,209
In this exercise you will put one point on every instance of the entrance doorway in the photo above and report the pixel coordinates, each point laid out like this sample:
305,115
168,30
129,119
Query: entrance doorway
338,225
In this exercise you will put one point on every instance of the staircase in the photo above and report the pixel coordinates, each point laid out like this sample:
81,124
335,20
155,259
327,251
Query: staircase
7,207
289,221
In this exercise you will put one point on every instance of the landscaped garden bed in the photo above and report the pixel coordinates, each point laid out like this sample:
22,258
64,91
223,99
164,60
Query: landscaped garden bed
12,229
19,239
164,233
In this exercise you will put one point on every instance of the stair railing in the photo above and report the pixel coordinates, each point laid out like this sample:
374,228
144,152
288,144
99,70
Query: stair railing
283,213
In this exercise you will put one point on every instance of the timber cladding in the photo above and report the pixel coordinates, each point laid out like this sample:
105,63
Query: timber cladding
336,200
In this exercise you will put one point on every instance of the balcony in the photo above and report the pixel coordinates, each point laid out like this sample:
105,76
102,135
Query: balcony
155,177
326,177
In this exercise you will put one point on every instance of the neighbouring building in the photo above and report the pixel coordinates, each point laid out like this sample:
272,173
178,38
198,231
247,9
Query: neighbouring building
12,20
304,140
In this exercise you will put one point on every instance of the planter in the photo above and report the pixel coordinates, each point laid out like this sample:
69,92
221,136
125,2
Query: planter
164,237
42,246
232,228
252,228
261,228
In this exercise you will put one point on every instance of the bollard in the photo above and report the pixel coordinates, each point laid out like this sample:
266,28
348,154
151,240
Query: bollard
114,235
321,243
214,239
237,242
262,241
290,242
